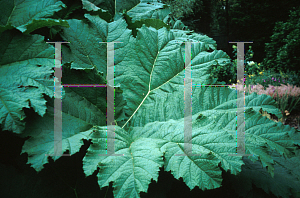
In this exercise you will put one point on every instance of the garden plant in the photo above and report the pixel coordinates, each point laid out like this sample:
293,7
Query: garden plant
149,107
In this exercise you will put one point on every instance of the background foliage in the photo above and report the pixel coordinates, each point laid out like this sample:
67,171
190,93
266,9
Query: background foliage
254,20
282,53
248,20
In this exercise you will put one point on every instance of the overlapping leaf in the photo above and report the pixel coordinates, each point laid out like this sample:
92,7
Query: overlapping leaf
137,10
147,6
25,67
41,129
29,15
154,10
133,170
82,108
85,50
95,5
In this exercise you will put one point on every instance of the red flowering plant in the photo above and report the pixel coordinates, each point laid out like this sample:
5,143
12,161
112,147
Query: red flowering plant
286,96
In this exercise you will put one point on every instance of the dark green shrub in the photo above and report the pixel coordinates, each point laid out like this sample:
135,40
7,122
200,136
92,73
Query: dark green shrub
254,20
228,72
223,72
282,53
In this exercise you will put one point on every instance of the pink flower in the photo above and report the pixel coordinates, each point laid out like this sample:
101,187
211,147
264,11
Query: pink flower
279,93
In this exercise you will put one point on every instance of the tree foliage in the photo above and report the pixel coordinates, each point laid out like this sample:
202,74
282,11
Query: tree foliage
282,53
254,20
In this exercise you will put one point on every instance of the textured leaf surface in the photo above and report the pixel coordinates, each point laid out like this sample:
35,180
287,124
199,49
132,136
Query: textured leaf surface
132,172
202,171
25,67
41,144
153,84
153,10
28,15
195,37
149,77
82,108
95,95
159,74
95,5
79,116
85,50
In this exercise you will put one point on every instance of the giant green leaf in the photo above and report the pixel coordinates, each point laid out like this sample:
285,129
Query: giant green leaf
131,173
152,77
150,72
157,72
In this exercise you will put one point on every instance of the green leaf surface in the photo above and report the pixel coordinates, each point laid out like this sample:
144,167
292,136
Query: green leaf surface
95,95
195,37
29,15
78,116
41,145
25,67
103,5
133,170
144,9
85,50
82,108
36,24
